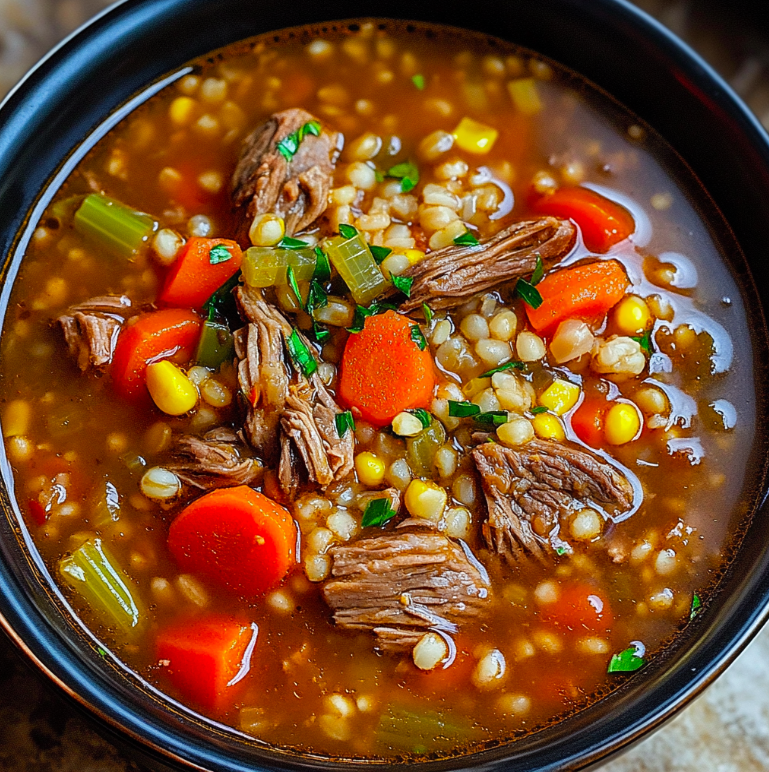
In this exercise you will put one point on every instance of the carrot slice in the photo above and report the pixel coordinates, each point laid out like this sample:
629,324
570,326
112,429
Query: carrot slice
603,222
587,421
384,371
236,538
206,658
580,608
155,336
586,291
202,266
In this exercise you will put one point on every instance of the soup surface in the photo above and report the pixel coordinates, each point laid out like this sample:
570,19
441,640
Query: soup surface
379,391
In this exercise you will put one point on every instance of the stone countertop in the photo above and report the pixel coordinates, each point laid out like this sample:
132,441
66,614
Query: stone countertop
724,730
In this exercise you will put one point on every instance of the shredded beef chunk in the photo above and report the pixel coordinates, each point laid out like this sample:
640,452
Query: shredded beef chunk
527,490
265,180
216,460
400,584
449,276
91,329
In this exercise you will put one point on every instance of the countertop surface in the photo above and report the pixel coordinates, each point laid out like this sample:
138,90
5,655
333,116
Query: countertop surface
725,730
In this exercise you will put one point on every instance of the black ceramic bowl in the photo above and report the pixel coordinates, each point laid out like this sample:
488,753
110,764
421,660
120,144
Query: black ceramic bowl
122,57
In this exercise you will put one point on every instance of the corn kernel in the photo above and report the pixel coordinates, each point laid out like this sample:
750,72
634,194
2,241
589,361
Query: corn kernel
16,418
475,137
560,396
370,468
523,92
548,427
266,230
632,315
171,390
426,500
414,255
182,110
622,424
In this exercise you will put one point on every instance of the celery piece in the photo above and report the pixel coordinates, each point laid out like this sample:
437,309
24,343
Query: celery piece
267,266
215,345
421,450
353,260
105,508
412,729
114,225
93,573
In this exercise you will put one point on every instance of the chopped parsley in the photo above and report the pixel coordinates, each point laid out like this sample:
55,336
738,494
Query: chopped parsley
377,512
322,272
101,652
320,334
463,409
528,293
424,417
361,312
539,409
507,366
289,145
347,231
288,243
344,421
428,312
379,253
407,173
419,81
491,418
291,281
629,660
696,606
645,341
466,239
418,337
561,550
403,284
316,297
222,303
219,254
539,272
302,356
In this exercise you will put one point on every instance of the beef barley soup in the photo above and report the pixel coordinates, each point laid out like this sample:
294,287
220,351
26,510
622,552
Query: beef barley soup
380,391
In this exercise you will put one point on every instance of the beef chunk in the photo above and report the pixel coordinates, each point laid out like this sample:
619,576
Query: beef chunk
216,460
263,369
448,277
400,584
529,488
91,329
296,189
310,436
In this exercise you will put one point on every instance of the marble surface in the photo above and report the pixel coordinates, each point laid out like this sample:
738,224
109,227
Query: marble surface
725,730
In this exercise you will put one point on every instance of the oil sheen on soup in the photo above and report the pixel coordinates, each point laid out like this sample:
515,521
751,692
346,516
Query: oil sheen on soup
379,391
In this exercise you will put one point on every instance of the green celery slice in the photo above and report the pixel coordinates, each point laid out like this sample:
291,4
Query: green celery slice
93,573
416,730
353,260
215,345
113,225
268,266
421,450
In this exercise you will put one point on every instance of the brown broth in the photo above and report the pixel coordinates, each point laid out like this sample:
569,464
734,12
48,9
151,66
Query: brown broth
693,498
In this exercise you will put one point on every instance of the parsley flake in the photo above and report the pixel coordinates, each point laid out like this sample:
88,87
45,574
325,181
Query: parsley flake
101,652
561,550
321,334
347,231
539,409
379,253
492,418
696,606
428,312
513,365
466,239
377,512
407,172
418,337
424,417
539,272
645,341
344,421
219,254
291,281
289,145
419,81
316,297
302,356
288,243
463,409
528,293
403,284
361,312
629,660
322,271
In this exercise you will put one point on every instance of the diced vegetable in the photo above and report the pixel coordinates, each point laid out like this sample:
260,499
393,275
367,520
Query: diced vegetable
560,396
353,260
602,221
587,420
105,506
268,266
172,332
215,346
171,390
113,225
235,538
370,469
206,658
579,608
523,92
202,266
383,372
421,450
622,423
586,292
414,730
475,137
94,574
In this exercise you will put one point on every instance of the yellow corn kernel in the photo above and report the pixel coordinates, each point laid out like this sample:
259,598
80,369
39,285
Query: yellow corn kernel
426,500
560,396
548,427
475,137
523,92
414,255
632,315
267,230
16,418
622,423
370,469
182,110
171,390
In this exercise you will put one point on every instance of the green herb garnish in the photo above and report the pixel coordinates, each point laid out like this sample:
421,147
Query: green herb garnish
403,284
418,337
344,421
492,418
424,417
378,512
539,272
419,81
320,334
507,366
428,312
219,254
288,243
627,661
101,652
221,302
302,356
696,606
347,231
539,409
407,172
316,296
291,279
361,312
322,271
561,550
288,146
528,293
463,409
645,341
466,239
379,253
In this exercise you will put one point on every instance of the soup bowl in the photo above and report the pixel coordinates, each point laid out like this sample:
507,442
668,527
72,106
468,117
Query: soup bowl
123,57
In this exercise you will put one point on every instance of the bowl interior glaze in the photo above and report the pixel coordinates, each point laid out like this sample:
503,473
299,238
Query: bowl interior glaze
124,56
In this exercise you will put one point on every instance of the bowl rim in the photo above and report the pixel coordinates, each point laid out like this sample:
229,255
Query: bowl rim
19,617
